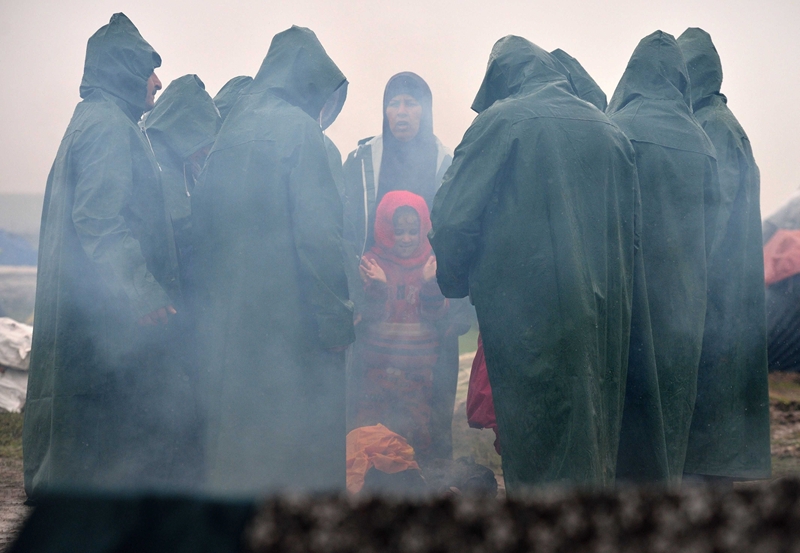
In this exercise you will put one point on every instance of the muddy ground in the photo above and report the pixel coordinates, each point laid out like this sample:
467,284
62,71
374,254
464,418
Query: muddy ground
784,410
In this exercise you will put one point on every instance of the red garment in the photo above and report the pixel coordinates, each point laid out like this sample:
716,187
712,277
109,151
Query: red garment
782,256
400,344
480,404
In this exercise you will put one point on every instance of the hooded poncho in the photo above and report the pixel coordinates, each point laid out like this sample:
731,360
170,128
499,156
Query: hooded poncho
98,414
267,222
729,435
678,181
535,222
183,121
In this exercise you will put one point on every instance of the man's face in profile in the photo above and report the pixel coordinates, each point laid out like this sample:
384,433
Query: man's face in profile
153,86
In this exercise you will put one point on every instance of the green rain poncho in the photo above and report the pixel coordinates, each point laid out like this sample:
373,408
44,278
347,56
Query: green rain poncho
642,455
183,122
229,93
585,86
678,181
98,414
534,221
729,435
272,290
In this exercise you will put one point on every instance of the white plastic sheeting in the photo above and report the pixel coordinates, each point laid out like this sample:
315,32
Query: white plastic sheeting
15,352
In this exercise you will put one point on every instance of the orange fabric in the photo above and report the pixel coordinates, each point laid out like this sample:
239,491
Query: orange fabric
376,446
782,256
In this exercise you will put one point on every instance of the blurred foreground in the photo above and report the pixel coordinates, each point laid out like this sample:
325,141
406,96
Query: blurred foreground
266,536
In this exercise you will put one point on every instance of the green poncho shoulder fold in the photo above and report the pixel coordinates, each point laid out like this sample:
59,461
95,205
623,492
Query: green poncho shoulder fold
729,435
535,222
678,182
267,220
99,399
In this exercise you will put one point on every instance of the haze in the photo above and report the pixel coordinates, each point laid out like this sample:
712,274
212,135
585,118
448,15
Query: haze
42,47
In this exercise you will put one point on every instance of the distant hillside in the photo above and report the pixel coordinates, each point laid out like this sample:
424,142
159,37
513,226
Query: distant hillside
21,214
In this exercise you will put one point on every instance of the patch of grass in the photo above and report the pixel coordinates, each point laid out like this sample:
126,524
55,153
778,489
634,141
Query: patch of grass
11,435
468,342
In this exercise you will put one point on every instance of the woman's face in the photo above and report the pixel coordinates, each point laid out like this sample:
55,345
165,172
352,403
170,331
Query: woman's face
404,114
406,235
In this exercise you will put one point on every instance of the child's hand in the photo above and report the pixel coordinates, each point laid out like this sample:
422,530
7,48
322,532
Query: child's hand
429,270
370,270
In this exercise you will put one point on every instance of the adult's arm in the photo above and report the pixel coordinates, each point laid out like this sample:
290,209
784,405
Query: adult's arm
317,226
104,184
460,202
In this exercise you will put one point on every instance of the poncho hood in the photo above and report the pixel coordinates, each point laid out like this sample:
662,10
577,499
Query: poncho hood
185,116
703,63
298,70
517,66
652,102
119,61
229,93
585,86
384,227
655,71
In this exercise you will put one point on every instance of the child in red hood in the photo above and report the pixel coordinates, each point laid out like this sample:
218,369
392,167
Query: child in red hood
400,345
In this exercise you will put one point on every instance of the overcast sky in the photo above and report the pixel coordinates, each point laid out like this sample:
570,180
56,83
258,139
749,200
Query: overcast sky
42,47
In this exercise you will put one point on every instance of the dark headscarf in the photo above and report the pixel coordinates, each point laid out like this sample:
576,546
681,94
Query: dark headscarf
409,165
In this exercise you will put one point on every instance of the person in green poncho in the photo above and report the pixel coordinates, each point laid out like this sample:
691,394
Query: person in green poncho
274,315
99,414
534,221
229,93
678,183
182,127
729,436
642,455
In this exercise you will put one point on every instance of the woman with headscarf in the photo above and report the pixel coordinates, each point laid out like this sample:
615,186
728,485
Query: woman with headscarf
406,156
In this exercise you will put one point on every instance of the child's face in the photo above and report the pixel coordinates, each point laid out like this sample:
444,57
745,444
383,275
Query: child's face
406,235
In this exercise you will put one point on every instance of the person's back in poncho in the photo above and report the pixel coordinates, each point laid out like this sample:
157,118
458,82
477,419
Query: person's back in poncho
729,435
535,222
677,179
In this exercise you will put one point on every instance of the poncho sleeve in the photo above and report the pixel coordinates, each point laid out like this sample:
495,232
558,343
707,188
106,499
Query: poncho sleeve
103,189
460,203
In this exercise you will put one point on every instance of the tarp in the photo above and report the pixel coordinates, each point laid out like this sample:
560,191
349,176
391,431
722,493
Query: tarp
782,277
15,250
781,256
15,350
